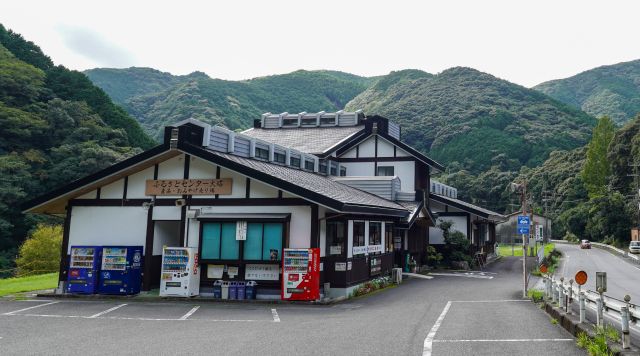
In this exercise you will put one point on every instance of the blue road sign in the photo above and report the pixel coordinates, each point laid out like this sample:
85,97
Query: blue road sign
523,230
523,221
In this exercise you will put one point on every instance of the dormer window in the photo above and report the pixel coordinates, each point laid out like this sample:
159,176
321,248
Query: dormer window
295,162
290,122
309,165
328,121
262,153
309,121
279,157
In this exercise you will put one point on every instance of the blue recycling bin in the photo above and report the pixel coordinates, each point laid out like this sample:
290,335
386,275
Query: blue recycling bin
217,289
251,289
241,290
233,290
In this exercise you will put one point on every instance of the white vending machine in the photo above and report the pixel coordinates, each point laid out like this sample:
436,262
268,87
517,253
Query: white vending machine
180,276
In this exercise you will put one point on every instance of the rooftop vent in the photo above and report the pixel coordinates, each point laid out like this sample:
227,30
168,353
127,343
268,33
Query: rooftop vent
304,119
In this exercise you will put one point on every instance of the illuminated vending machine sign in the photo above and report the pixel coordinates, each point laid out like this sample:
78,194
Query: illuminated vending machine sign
301,274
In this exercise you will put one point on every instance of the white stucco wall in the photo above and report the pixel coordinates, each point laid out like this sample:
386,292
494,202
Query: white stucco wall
166,233
136,184
359,168
114,190
459,224
112,225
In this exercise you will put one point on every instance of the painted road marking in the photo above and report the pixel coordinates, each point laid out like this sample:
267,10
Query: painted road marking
428,341
29,308
190,312
491,301
132,318
416,275
462,275
276,318
106,311
506,340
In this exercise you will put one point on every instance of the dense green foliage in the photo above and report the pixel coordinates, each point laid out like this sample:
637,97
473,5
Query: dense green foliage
40,253
612,91
55,127
596,168
465,116
157,99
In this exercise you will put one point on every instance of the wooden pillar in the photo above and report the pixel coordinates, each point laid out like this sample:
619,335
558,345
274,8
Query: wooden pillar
148,251
64,257
315,231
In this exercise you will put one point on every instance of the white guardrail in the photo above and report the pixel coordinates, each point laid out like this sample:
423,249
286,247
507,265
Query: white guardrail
564,294
615,250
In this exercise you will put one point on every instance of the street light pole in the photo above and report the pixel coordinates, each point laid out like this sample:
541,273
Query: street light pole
523,198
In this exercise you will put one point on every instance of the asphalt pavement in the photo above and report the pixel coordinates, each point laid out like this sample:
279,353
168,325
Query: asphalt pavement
623,277
475,313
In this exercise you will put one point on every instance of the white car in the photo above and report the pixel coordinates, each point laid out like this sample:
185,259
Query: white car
634,247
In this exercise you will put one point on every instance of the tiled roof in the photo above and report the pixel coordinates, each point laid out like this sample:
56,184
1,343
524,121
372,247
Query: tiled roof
463,205
314,182
306,139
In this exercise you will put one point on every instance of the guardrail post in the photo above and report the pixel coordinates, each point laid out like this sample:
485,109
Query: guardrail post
583,307
554,291
561,293
600,311
624,318
546,287
570,299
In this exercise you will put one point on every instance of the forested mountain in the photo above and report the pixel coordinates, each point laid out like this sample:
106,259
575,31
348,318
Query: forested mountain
55,127
612,90
157,99
469,119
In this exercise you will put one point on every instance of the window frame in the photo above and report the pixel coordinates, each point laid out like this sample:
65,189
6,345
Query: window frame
393,171
278,154
364,237
260,156
345,243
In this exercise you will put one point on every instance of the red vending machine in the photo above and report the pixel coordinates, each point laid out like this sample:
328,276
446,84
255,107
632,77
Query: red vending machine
301,274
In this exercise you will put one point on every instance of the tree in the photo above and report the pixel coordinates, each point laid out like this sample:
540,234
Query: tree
597,169
40,253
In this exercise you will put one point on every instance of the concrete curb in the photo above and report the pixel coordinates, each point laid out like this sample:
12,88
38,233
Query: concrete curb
572,324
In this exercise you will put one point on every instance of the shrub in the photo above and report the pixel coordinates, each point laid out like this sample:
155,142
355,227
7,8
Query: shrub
40,253
433,256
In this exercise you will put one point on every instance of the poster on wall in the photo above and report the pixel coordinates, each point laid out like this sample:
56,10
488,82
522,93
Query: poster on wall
262,272
215,271
340,266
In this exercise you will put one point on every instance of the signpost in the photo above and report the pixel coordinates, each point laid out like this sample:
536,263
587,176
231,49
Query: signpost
523,229
543,268
523,224
601,282
581,277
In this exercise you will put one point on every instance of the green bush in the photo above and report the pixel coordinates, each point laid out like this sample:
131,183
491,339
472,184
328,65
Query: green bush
433,256
40,253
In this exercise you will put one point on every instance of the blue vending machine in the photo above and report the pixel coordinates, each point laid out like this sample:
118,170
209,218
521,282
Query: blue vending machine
120,271
84,267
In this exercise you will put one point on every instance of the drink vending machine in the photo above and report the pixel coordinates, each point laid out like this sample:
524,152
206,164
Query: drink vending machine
179,276
301,274
120,272
84,264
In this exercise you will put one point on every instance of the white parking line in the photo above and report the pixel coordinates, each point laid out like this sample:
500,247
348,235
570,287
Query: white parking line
505,340
29,308
106,311
428,341
190,312
276,318
462,275
491,301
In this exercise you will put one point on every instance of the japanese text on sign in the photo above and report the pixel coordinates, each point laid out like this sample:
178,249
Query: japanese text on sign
188,186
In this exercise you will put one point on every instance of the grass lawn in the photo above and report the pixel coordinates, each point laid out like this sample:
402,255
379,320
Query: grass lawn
505,249
26,284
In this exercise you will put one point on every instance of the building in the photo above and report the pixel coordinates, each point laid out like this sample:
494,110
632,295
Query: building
507,231
341,182
476,223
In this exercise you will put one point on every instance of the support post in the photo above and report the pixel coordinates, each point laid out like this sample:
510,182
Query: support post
626,341
570,299
554,292
583,307
561,294
599,311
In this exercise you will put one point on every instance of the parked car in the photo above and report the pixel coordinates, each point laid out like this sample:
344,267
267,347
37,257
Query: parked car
634,247
585,244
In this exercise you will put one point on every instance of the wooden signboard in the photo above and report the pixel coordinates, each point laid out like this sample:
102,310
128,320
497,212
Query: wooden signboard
189,186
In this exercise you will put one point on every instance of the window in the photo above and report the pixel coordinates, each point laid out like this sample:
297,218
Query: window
358,233
385,171
262,153
334,169
279,157
323,167
375,233
308,121
343,171
336,237
388,237
290,122
295,162
264,242
219,241
309,165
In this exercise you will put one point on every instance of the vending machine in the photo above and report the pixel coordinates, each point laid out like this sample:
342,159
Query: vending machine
180,272
121,270
84,266
301,274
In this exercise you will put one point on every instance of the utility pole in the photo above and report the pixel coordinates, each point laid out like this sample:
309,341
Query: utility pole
523,199
635,176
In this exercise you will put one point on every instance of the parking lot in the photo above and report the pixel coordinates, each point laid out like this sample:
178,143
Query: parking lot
178,312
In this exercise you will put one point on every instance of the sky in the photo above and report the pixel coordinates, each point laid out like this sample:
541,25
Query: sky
526,42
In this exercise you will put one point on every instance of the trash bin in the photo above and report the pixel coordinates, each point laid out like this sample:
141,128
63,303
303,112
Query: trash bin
251,290
241,290
217,289
233,290
225,290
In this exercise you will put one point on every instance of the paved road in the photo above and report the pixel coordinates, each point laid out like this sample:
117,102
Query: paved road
623,277
461,314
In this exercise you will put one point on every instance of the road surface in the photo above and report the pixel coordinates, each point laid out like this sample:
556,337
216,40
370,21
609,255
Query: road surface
451,314
623,277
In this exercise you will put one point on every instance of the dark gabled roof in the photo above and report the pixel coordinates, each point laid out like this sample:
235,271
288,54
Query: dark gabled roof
468,207
309,185
314,140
